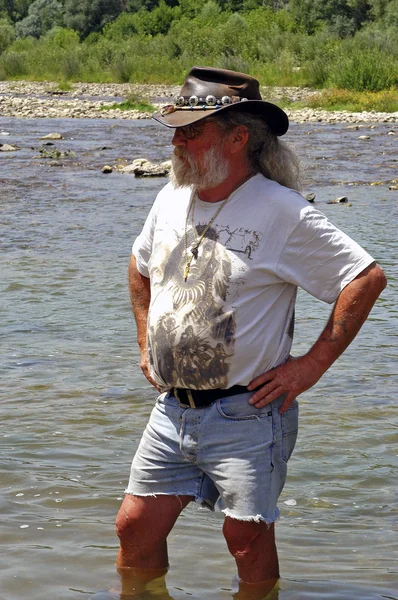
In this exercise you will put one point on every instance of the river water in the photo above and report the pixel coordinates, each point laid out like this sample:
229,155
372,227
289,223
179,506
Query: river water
73,400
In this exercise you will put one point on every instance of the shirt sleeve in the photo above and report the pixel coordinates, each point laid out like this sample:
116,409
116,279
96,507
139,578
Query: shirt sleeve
142,247
320,258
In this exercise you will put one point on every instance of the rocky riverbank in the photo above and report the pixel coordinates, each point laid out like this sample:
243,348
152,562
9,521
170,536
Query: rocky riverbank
89,100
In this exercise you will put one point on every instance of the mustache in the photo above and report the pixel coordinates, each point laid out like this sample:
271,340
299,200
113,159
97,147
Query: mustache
180,152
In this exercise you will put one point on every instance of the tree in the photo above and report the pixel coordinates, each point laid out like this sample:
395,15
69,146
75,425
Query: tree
7,34
342,17
88,16
43,15
15,9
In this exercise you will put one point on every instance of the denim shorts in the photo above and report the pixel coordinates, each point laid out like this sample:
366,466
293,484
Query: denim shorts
230,455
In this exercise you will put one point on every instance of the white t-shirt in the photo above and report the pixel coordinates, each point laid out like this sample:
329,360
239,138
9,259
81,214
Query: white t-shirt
233,318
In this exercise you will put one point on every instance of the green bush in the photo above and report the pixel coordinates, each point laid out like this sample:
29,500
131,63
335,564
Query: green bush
7,34
369,70
71,67
13,64
64,38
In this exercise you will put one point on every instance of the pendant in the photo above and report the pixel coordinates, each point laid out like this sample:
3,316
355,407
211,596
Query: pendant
186,271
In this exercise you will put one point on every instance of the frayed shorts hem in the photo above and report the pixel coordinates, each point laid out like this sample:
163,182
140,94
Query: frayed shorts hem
198,499
251,518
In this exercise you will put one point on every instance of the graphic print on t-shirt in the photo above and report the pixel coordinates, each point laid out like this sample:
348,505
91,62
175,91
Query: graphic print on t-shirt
191,341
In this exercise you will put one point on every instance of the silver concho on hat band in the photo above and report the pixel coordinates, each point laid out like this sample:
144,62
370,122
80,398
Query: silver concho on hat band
193,102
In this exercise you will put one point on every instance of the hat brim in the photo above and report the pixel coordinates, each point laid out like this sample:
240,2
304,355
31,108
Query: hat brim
276,119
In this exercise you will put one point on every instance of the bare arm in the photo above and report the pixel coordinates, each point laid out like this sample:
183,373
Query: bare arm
140,295
350,311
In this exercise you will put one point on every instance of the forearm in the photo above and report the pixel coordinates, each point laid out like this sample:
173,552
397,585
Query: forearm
140,295
299,374
349,313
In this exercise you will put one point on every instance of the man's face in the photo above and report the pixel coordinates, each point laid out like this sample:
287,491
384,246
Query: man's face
199,156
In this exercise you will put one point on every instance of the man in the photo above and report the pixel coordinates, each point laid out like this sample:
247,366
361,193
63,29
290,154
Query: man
213,280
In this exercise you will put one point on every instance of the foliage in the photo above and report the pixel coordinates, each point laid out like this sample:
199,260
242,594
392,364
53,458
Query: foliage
87,16
133,102
15,9
7,34
53,153
350,44
333,99
365,70
42,16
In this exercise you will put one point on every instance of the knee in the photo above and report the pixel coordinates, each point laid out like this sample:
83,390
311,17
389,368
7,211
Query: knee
125,522
242,536
132,521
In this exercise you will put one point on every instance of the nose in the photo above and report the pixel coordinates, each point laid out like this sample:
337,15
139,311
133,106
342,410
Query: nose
178,138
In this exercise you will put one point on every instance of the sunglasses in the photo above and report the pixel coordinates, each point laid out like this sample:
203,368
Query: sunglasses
192,131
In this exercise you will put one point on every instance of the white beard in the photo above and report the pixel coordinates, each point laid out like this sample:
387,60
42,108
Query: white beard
213,170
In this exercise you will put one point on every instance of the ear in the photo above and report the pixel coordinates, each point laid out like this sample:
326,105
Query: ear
238,138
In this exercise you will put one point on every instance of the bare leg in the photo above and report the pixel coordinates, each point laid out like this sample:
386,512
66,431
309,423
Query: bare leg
253,547
143,524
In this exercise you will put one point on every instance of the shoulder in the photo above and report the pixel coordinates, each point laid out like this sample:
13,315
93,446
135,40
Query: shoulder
277,196
171,198
277,203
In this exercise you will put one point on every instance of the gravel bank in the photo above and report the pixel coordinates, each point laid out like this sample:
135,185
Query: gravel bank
86,100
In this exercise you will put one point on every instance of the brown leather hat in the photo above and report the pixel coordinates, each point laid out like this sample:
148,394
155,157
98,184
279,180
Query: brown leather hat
207,91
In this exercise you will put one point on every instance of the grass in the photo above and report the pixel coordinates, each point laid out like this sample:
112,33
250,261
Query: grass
337,100
133,102
141,106
65,86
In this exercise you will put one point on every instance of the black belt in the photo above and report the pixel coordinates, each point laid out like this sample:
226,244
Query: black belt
202,398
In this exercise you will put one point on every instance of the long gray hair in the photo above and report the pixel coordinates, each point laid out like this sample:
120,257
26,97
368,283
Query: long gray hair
268,155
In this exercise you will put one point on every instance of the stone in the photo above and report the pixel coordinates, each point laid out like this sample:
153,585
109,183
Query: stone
151,171
107,169
52,136
8,148
393,188
141,167
340,200
310,197
364,137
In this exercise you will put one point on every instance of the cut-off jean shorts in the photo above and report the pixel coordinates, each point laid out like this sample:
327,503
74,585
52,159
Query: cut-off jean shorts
230,455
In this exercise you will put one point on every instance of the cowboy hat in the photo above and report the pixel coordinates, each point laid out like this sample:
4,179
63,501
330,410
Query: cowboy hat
207,91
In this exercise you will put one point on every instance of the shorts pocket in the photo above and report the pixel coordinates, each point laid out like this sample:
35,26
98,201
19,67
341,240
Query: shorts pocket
167,404
289,424
237,408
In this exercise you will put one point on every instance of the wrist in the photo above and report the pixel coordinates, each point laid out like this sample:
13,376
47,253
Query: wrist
317,363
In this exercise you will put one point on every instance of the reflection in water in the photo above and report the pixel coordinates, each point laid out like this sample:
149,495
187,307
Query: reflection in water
138,584
256,591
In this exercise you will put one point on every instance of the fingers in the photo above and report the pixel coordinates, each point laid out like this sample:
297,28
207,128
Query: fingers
273,385
151,381
286,403
265,395
145,370
261,379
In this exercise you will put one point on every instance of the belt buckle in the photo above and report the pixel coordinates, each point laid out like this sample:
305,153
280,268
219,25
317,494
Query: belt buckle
189,396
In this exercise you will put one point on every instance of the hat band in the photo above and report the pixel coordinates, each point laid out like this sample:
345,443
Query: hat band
200,103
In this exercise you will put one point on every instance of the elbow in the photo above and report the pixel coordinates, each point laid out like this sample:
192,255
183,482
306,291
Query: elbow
380,280
376,280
